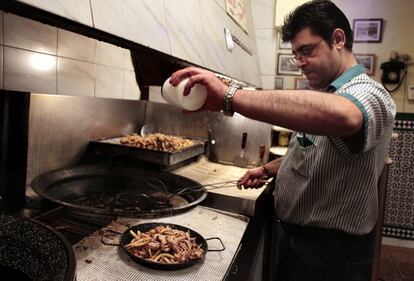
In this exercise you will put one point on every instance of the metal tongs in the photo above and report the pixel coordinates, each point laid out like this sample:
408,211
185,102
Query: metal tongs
159,186
200,187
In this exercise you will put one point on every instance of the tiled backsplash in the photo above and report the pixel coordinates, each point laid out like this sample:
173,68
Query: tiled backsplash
399,200
73,10
191,30
36,57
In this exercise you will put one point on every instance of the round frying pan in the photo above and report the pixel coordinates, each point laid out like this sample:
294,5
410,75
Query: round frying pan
109,190
31,250
126,238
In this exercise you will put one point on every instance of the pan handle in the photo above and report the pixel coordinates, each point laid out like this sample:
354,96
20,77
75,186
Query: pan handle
104,239
216,250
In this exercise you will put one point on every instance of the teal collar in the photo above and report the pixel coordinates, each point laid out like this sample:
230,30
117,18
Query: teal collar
347,76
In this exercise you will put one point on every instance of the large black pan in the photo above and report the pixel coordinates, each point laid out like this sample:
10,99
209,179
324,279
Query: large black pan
107,190
126,238
33,251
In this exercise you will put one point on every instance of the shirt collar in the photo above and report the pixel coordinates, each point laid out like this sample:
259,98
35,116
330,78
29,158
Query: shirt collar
346,77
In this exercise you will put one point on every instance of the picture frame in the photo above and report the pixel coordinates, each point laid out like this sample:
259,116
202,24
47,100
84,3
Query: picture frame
368,61
237,10
278,83
285,67
284,45
367,30
301,83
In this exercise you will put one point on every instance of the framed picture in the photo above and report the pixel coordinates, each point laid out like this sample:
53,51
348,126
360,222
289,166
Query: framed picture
237,10
278,83
368,30
285,66
284,45
301,83
368,61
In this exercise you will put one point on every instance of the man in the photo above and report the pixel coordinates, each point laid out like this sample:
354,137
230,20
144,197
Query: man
326,185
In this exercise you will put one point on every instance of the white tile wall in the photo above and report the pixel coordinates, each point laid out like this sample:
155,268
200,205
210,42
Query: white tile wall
155,95
140,21
249,66
266,39
110,55
266,45
268,82
186,33
263,13
131,90
29,71
221,3
250,23
197,29
214,36
75,46
128,60
77,10
108,82
30,35
214,22
238,63
245,36
75,77
77,65
248,69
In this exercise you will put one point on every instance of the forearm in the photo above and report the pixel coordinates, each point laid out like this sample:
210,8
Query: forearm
273,167
304,111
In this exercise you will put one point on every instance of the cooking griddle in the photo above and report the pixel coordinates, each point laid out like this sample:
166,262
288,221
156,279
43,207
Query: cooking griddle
113,147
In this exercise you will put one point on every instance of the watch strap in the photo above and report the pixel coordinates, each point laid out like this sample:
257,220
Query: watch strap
228,98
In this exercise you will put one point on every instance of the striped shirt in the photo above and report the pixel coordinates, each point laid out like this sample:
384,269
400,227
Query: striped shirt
321,182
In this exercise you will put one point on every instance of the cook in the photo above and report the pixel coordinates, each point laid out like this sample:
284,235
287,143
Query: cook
326,186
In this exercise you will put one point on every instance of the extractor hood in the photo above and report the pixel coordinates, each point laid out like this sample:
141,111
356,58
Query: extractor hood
152,67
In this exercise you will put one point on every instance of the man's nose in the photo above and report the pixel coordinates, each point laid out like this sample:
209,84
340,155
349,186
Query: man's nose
300,62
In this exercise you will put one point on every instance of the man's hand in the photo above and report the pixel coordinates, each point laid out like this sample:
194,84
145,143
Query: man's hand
216,89
253,178
257,177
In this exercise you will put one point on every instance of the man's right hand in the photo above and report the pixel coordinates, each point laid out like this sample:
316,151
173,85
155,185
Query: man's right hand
253,178
257,177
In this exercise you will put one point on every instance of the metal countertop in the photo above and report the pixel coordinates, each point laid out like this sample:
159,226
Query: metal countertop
230,198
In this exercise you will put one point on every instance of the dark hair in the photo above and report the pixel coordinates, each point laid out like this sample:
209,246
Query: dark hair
323,17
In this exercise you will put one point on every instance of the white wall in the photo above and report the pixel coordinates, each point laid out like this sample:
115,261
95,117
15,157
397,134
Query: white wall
76,65
266,39
397,36
44,59
188,29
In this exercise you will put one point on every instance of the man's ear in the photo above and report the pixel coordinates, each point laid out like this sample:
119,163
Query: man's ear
338,37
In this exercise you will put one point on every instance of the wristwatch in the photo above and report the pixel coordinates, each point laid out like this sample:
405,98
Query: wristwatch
228,98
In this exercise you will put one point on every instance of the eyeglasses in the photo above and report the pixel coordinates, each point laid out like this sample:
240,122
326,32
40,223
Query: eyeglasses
304,53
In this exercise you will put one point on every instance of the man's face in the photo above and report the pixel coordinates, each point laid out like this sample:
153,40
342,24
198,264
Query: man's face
317,60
